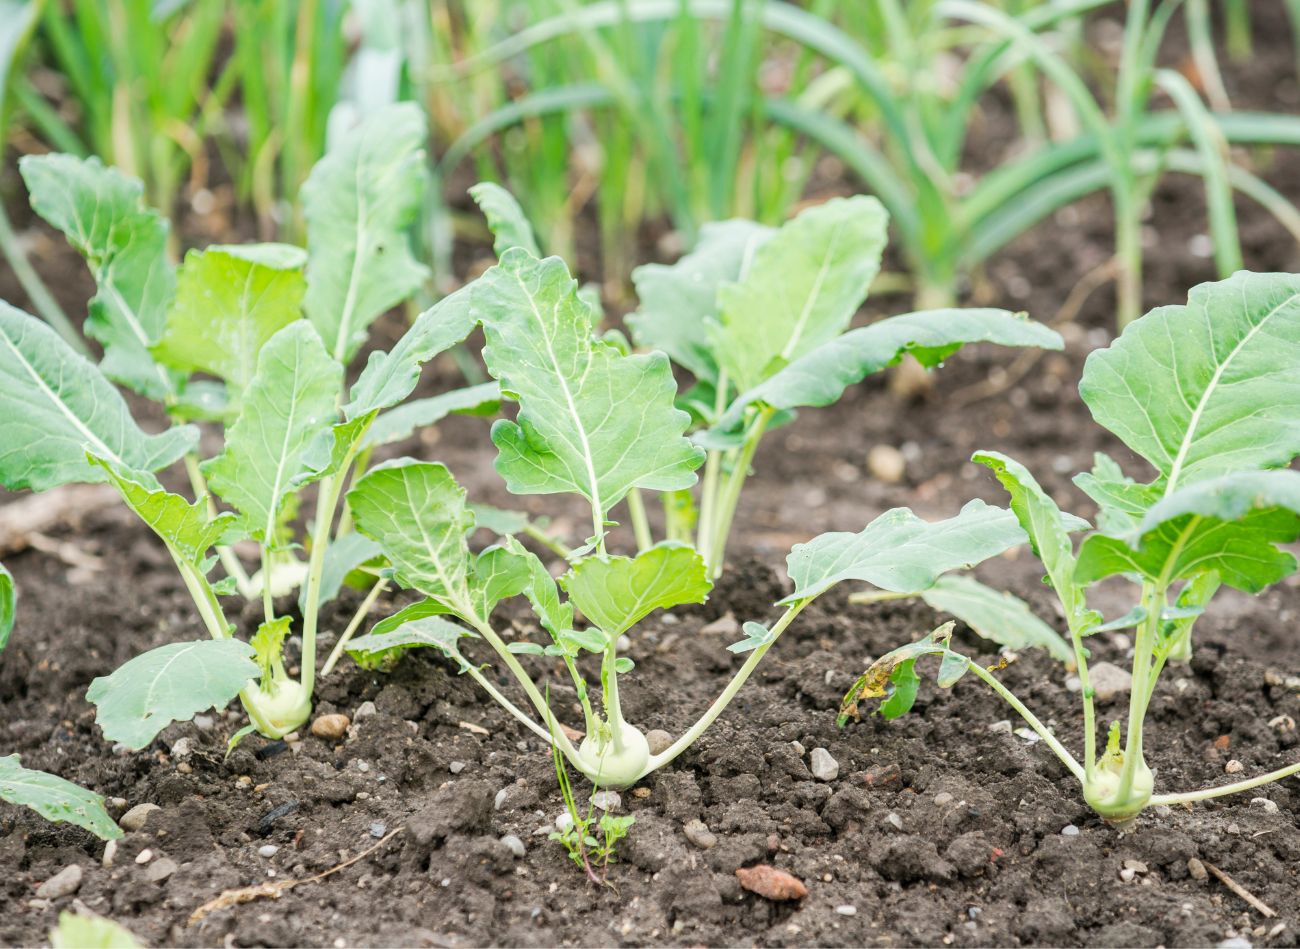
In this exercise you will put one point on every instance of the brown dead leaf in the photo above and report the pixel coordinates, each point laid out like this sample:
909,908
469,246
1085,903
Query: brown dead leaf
771,883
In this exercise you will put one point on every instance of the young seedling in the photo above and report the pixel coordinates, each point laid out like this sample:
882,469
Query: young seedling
252,341
1207,394
595,421
578,835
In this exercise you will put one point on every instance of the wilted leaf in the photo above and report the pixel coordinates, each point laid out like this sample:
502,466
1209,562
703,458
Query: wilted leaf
55,799
997,616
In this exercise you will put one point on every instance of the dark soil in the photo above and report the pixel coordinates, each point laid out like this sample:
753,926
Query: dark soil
944,827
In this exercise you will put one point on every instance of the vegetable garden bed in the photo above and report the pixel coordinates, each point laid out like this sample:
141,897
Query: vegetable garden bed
952,827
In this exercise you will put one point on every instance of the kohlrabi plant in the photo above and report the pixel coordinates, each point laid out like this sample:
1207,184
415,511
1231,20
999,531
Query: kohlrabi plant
760,318
1209,395
592,420
252,341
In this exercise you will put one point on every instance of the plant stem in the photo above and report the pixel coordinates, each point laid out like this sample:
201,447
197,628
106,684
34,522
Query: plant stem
731,496
510,707
722,701
199,484
1089,711
268,604
1143,652
204,599
39,295
712,469
640,525
877,596
362,611
609,684
1189,797
546,540
1060,750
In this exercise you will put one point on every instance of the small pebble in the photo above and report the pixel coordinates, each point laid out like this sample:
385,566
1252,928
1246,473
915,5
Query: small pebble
110,854
698,833
886,463
161,870
514,845
363,767
501,798
1069,830
1233,767
607,800
1270,807
1235,942
623,644
144,856
658,740
894,821
135,818
798,748
1137,866
1073,684
1197,870
725,626
363,710
204,723
64,883
1028,734
1109,681
1127,875
823,766
267,850
1002,726
942,798
456,767
564,823
183,748
378,829
330,727
847,909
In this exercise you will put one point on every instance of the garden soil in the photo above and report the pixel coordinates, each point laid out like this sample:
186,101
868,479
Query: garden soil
946,827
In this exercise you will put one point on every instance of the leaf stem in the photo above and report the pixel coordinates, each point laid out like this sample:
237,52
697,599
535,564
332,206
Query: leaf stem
640,524
1143,651
510,707
353,625
1043,732
722,701
556,546
199,484
877,596
1189,797
731,495
268,604
609,684
1089,711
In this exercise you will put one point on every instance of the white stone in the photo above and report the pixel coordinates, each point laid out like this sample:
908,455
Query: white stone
64,883
607,800
514,845
823,766
1109,681
847,909
268,850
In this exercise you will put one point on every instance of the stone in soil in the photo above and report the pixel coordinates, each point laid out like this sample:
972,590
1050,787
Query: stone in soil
136,817
1109,681
698,833
330,727
824,767
64,883
160,870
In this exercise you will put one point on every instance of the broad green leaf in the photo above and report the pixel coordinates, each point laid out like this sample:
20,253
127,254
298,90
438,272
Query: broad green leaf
1121,501
78,931
555,615
1207,388
358,201
390,377
615,593
380,649
590,421
802,289
267,254
102,214
506,219
284,436
498,521
403,421
172,683
416,512
679,302
186,527
55,799
893,676
8,604
268,643
820,376
497,574
17,21
58,405
227,307
900,552
1048,528
996,616
1230,525
343,555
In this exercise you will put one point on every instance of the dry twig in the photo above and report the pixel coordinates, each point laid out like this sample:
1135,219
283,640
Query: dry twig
1256,903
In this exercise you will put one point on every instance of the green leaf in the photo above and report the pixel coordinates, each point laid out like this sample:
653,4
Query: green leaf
343,555
506,219
1207,388
1121,501
804,285
8,604
403,421
55,799
76,931
590,420
101,213
284,436
497,574
1048,528
756,635
555,615
821,375
497,521
227,307
390,377
900,552
268,645
615,593
893,676
996,616
17,20
358,201
906,683
416,512
58,405
679,302
1230,525
172,683
186,527
381,649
